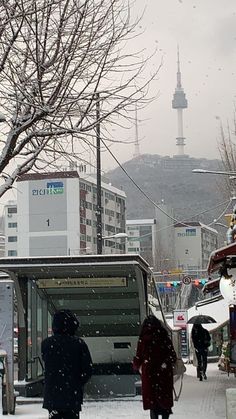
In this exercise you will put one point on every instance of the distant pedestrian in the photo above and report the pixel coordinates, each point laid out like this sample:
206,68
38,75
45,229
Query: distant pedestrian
201,341
68,366
154,359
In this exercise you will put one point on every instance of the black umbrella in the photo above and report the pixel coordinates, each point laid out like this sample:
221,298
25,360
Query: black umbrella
201,318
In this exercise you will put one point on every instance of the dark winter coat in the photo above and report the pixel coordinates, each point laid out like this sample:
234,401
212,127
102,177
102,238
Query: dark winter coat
156,356
68,366
200,337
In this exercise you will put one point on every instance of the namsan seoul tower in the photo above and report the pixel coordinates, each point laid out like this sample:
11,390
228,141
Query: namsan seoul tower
179,102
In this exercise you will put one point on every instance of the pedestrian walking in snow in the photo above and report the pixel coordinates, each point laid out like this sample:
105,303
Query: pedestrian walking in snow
201,341
68,366
154,359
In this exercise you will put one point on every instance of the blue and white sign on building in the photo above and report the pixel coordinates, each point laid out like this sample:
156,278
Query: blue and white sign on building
52,188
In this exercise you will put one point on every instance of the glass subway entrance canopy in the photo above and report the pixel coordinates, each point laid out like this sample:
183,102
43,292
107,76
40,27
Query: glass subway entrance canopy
108,293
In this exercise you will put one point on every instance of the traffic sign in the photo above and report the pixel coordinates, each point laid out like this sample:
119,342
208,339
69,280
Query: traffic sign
186,280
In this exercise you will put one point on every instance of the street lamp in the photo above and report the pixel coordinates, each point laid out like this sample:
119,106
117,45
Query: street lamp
214,172
231,174
116,236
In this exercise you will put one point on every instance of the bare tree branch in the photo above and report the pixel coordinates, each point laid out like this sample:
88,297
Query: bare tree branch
55,56
227,150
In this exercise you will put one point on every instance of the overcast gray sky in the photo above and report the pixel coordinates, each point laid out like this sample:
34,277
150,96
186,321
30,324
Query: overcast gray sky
206,33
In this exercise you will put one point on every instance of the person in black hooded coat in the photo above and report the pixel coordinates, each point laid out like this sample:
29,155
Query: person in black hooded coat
201,341
68,366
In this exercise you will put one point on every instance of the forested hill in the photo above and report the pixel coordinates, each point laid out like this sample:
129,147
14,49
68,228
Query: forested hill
171,180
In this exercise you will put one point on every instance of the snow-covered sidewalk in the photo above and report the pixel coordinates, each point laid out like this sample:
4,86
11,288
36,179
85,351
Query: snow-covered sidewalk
199,400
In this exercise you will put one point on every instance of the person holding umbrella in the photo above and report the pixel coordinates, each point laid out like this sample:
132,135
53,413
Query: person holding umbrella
201,340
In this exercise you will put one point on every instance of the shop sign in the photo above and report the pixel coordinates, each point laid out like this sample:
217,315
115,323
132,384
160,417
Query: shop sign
180,318
82,282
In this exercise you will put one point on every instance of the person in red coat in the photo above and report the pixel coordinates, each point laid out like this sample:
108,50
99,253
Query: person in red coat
154,359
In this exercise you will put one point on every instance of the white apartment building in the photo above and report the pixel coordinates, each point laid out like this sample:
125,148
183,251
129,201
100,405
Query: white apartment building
153,238
142,239
165,235
55,215
194,243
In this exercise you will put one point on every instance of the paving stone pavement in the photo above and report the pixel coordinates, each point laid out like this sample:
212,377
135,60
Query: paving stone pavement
198,400
204,399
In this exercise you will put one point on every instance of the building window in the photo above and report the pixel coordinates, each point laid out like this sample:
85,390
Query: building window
82,204
12,225
88,222
12,210
82,186
88,238
128,228
109,212
110,228
109,196
12,253
12,239
109,243
82,220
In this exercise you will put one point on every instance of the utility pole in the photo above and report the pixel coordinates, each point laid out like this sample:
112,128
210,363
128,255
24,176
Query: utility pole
99,188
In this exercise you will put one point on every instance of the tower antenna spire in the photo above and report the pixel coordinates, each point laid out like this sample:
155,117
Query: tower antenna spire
136,144
179,102
178,70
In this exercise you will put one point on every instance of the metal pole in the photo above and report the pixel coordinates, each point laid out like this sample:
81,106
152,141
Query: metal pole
99,189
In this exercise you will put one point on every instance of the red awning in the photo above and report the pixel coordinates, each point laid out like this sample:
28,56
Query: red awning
220,256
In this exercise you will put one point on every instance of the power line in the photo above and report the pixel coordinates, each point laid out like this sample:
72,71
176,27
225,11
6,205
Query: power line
221,215
200,213
154,203
139,188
